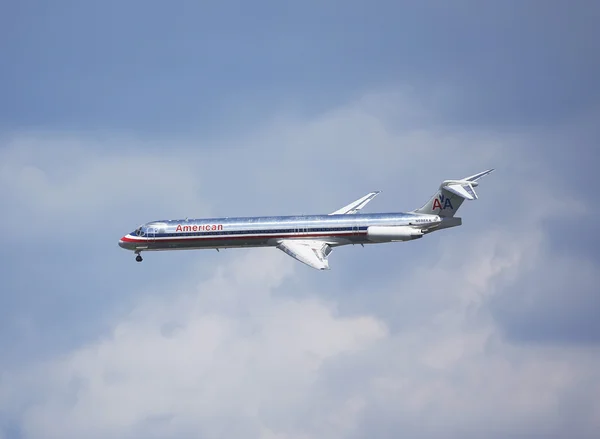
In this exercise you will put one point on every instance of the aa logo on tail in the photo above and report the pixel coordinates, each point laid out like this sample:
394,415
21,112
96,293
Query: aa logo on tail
442,203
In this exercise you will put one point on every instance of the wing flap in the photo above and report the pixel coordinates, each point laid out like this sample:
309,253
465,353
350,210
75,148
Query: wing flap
310,252
355,206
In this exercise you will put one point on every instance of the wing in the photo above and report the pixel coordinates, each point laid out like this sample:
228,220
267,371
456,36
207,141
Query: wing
355,206
310,252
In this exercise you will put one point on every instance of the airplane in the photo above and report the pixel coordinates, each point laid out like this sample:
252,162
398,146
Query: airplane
308,238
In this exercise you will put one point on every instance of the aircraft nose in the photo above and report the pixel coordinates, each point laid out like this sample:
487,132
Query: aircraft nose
122,243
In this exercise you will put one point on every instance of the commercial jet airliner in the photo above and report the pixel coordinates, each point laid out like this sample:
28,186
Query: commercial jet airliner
308,238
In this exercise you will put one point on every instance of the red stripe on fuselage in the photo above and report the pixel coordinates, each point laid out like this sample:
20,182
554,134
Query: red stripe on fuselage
230,237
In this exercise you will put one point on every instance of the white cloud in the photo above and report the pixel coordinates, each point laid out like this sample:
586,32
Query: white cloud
295,163
234,354
70,185
177,356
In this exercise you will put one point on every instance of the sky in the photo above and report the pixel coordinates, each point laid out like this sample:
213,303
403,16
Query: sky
118,113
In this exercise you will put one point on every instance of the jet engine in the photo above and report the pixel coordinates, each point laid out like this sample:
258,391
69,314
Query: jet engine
393,233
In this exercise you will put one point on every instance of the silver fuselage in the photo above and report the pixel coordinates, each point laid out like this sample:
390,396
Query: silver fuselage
227,232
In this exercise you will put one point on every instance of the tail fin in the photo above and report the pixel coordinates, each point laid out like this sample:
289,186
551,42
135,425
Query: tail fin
451,194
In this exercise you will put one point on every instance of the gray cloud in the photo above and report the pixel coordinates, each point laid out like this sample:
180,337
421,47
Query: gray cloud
425,339
213,68
555,302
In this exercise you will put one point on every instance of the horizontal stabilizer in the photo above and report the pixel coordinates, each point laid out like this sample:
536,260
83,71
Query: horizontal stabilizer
479,175
464,190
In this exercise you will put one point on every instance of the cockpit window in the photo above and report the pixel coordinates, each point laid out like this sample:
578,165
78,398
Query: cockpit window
138,232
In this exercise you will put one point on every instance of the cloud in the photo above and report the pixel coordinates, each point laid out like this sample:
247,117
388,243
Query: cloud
235,353
424,339
554,301
180,69
64,177
185,360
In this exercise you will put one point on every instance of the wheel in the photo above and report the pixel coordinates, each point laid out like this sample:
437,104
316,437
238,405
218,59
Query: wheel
139,258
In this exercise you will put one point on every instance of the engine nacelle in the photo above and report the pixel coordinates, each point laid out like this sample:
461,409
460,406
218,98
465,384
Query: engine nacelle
392,233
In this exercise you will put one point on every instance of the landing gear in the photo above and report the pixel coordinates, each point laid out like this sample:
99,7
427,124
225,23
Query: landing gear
139,258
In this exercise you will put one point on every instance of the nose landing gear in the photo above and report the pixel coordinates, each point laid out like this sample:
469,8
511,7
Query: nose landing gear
139,258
